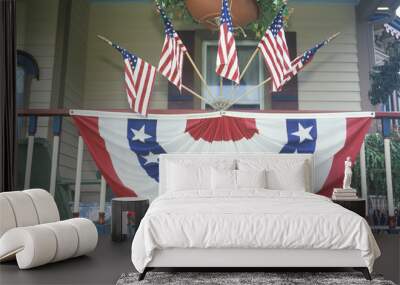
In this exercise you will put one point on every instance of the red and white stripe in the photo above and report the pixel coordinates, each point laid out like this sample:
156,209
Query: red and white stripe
227,59
171,61
105,135
139,85
297,66
276,55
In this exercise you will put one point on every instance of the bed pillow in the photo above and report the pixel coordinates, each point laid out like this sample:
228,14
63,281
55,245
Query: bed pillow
183,177
251,178
282,174
223,179
193,174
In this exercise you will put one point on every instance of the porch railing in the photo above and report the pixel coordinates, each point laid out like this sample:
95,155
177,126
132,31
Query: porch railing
389,120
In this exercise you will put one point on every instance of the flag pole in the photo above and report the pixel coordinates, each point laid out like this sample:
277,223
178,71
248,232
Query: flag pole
220,86
333,37
105,39
199,74
233,93
197,95
269,78
247,92
248,63
183,86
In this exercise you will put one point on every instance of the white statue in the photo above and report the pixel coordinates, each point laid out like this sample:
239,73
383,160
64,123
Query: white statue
347,173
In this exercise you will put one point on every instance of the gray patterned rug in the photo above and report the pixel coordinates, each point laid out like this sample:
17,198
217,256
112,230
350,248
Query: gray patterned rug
243,278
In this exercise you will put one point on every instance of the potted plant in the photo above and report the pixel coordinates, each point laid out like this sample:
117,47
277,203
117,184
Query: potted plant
207,12
251,15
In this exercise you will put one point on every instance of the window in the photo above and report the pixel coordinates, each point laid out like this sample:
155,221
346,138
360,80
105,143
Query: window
254,75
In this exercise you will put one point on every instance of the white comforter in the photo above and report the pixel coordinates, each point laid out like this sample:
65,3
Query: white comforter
250,219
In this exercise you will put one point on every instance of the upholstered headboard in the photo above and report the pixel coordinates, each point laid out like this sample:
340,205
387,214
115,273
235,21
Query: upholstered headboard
209,158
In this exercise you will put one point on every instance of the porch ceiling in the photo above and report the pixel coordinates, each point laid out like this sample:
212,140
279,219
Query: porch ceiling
371,12
350,2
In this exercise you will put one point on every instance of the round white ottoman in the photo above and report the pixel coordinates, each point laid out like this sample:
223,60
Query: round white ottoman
52,242
7,220
33,246
45,205
31,232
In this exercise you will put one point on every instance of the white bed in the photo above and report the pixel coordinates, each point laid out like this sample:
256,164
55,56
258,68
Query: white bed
248,226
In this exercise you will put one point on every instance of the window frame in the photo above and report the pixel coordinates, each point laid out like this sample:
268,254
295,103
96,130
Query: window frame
261,73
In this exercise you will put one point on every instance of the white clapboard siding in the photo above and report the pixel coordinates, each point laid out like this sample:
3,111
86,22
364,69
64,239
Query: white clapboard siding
311,76
137,27
331,81
21,24
328,86
330,105
333,67
36,34
328,96
89,168
74,84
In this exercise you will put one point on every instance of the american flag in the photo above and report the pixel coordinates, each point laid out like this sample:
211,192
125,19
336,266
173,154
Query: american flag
171,61
227,59
301,61
275,51
139,80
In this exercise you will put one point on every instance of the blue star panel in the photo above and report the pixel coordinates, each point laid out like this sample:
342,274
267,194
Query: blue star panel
294,145
150,144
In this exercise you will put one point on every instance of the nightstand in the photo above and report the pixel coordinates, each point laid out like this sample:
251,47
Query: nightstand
355,205
121,205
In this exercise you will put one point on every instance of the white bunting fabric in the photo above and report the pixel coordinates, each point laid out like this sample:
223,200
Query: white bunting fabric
126,147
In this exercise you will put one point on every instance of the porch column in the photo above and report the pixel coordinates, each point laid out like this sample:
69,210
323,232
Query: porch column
78,177
32,128
388,169
103,186
363,172
57,122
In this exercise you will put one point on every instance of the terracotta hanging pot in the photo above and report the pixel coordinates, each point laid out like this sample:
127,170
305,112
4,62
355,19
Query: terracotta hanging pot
207,11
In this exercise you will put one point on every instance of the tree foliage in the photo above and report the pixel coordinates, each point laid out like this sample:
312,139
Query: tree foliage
375,163
385,78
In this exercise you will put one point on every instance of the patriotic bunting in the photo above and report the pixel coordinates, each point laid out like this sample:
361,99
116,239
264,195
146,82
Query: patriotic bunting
126,147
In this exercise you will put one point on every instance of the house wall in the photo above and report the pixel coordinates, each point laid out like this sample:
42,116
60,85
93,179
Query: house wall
331,81
74,83
135,26
37,23
36,34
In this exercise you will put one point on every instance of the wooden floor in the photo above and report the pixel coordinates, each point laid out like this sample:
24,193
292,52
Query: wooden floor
110,260
389,263
103,266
